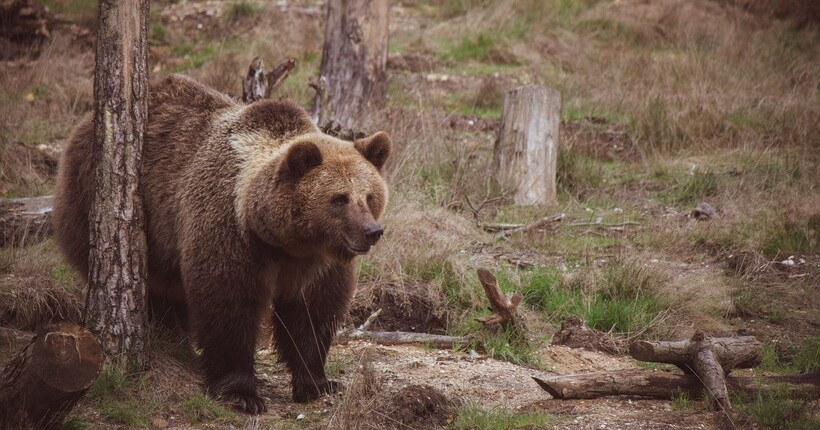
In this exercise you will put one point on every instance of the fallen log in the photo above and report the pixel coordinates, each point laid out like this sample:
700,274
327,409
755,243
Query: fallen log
505,310
711,359
410,338
664,385
40,385
743,352
25,220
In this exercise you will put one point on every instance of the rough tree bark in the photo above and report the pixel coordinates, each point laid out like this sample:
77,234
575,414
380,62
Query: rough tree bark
526,152
354,59
115,305
40,385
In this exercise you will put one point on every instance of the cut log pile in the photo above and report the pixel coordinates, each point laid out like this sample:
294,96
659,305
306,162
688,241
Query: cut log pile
706,363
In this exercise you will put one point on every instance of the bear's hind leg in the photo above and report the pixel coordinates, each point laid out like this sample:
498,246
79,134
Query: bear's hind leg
303,330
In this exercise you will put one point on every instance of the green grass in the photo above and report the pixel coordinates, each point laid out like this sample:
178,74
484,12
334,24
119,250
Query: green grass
621,296
474,416
693,188
200,408
681,401
194,55
775,409
241,9
790,237
76,424
807,359
113,394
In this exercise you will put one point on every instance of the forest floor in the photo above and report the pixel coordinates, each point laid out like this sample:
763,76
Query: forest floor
666,104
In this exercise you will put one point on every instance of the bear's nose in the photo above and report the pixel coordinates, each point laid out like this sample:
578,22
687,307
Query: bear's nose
373,233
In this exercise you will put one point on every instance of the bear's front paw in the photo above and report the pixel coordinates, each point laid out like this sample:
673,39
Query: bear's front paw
249,403
239,391
307,391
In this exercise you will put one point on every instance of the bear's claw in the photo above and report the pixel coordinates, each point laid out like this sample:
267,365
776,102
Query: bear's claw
306,392
249,403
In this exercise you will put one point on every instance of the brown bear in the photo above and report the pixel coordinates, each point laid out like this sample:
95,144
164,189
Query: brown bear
244,205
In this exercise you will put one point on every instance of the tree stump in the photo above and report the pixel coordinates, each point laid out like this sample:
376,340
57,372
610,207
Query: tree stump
115,304
505,310
259,85
526,151
354,59
23,221
40,385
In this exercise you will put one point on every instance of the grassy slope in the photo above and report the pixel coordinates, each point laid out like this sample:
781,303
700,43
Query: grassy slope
665,105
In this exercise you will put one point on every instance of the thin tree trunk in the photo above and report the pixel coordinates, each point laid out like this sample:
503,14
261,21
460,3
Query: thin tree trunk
115,305
354,59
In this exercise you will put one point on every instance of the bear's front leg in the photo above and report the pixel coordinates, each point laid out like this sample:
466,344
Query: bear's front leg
225,312
304,325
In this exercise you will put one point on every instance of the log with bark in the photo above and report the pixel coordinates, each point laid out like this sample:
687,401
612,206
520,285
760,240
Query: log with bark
23,221
40,385
401,337
505,310
711,359
664,385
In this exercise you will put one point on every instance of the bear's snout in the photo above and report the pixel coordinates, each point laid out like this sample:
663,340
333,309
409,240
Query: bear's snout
373,233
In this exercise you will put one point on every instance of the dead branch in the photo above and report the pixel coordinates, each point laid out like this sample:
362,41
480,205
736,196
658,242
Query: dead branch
541,223
408,338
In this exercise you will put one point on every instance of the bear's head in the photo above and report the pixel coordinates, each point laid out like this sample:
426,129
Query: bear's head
320,196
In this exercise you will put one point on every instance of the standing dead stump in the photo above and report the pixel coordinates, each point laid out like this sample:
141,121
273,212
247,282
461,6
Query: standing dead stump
526,152
505,310
40,385
354,59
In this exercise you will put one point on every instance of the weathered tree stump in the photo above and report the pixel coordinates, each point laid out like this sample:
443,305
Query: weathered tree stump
354,59
40,385
259,85
526,151
23,221
505,310
664,385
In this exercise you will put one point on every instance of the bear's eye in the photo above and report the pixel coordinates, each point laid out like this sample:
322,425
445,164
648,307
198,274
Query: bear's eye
340,200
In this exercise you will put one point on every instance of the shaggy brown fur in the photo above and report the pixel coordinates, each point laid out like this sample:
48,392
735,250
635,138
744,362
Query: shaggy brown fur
244,205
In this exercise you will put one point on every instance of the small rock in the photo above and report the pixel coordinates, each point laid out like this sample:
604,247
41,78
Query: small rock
300,417
159,423
704,212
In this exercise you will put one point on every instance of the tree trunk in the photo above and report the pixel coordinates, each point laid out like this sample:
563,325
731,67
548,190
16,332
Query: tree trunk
115,305
41,384
24,221
526,152
354,59
663,385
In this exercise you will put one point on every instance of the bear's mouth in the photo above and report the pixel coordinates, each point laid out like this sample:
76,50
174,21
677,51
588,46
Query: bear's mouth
357,250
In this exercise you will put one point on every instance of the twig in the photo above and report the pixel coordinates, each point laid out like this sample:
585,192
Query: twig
543,222
278,76
603,224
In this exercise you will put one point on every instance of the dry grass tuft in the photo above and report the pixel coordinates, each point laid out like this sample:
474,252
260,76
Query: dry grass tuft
36,288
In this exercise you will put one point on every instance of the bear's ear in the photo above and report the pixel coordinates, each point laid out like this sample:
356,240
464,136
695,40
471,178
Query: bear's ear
375,148
300,159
